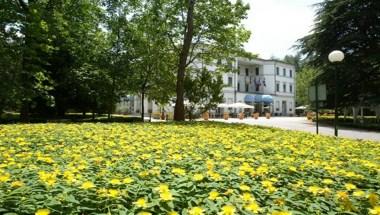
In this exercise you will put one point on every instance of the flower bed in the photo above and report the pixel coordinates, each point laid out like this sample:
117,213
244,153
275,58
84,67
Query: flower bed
196,168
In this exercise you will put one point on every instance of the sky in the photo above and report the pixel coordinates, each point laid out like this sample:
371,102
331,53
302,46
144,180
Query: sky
277,24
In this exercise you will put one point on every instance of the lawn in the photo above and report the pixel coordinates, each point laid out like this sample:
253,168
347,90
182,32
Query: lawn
194,168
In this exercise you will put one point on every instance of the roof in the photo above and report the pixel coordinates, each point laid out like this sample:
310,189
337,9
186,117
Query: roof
265,60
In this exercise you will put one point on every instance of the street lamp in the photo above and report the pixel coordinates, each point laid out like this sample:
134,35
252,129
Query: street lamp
336,57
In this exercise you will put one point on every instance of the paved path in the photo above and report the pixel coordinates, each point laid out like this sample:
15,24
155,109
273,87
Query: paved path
301,124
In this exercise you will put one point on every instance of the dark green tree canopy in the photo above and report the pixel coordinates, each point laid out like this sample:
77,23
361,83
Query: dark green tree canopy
352,26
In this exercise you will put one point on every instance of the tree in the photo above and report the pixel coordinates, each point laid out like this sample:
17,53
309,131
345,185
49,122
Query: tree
10,61
195,23
78,42
152,68
305,78
351,26
294,60
203,90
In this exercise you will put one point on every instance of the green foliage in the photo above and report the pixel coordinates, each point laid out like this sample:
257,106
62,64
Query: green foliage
305,78
212,25
353,27
203,90
84,55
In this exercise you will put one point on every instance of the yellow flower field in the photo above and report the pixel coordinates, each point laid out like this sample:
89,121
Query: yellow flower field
196,168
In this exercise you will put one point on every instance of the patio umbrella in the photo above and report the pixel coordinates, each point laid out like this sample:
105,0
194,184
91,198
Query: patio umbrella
223,105
241,105
301,108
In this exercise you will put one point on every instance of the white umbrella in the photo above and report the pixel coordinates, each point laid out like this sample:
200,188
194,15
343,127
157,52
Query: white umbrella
301,108
223,105
241,105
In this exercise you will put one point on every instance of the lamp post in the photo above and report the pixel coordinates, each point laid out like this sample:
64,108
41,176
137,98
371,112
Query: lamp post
336,57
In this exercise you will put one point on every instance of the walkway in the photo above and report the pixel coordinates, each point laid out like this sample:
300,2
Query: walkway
302,124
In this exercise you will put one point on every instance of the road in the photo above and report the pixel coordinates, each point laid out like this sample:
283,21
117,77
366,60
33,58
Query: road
302,124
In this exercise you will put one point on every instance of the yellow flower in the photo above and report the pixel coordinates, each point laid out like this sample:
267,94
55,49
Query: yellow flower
358,193
198,177
178,171
213,195
244,187
115,181
113,193
327,181
214,176
281,213
87,185
228,210
253,207
196,211
141,203
17,184
314,190
42,212
247,197
373,199
163,188
267,183
342,195
127,180
144,213
350,186
4,178
166,196
375,210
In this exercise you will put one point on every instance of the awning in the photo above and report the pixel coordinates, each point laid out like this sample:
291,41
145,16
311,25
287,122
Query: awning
267,99
249,98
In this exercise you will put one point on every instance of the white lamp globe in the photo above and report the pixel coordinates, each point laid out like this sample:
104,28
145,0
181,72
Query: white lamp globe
336,56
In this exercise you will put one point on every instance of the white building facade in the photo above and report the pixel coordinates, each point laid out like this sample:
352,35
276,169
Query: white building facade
269,85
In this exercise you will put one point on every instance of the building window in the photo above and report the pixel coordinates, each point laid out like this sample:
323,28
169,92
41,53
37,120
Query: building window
246,87
238,86
257,71
291,88
278,87
291,73
278,71
277,105
230,81
284,88
284,72
290,106
246,72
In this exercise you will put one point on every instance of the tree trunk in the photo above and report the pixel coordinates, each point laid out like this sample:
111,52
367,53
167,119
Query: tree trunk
179,111
142,105
355,111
